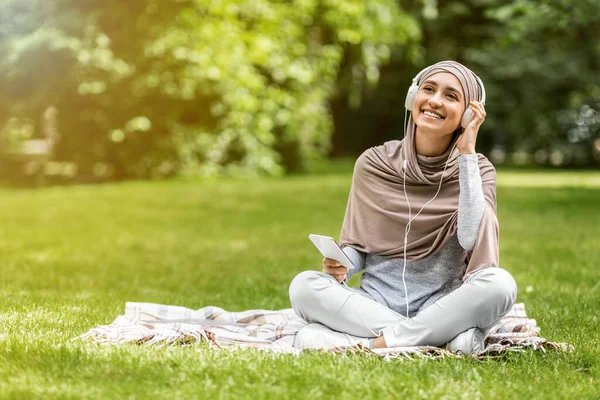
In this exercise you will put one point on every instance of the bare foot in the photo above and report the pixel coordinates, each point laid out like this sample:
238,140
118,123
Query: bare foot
379,343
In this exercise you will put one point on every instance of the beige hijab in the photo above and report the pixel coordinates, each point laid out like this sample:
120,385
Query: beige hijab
377,211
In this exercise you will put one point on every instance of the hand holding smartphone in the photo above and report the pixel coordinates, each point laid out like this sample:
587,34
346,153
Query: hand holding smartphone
330,249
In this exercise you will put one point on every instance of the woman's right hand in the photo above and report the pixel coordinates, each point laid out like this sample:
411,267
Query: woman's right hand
335,269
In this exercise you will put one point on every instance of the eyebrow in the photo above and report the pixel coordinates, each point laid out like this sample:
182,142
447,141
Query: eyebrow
451,88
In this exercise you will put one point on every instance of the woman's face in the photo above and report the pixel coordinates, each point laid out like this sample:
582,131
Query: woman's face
439,104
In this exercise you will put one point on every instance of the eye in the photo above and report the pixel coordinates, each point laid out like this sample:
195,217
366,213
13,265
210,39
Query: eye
428,89
453,96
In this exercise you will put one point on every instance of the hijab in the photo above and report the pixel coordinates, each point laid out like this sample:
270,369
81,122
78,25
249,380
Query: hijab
377,211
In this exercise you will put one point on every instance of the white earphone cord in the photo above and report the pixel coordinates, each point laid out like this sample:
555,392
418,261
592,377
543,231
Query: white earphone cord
410,219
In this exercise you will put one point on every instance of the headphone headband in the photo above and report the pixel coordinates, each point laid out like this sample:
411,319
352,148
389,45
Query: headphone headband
415,82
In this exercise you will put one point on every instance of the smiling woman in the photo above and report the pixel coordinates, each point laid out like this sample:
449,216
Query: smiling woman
431,274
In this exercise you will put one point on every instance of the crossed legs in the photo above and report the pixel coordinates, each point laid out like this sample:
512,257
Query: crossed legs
480,302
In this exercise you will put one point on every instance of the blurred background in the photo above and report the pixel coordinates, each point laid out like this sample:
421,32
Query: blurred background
94,91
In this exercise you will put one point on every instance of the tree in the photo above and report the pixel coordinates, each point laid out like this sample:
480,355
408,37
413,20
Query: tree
544,65
539,62
194,86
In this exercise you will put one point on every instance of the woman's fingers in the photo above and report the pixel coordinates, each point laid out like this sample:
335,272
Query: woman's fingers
335,269
331,263
340,277
466,141
478,111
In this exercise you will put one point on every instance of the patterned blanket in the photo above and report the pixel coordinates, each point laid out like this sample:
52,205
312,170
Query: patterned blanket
146,323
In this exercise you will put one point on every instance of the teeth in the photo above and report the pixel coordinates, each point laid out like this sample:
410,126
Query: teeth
431,114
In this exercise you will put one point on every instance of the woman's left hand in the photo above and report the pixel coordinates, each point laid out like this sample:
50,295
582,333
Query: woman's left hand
466,141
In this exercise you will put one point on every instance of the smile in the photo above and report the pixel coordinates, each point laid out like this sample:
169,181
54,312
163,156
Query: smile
432,114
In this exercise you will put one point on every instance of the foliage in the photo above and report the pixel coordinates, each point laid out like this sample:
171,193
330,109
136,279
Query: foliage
193,86
149,88
547,55
540,65
539,62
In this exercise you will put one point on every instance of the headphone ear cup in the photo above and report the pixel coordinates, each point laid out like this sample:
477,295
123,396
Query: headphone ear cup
467,118
410,97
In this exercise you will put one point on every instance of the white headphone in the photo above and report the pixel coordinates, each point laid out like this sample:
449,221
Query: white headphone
414,88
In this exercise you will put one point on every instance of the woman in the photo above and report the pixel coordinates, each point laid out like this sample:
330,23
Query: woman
421,222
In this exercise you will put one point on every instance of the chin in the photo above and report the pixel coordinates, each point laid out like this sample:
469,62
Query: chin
442,135
436,129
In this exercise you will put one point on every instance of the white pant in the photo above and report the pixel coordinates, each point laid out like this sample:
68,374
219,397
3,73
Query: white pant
480,302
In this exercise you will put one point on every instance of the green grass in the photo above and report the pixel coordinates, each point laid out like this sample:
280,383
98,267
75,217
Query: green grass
72,257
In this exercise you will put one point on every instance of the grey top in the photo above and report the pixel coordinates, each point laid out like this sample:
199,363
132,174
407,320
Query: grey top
430,278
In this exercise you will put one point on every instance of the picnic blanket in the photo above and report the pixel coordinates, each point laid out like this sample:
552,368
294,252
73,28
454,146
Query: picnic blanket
274,330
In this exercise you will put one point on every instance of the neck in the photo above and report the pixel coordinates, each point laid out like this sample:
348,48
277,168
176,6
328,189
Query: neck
428,145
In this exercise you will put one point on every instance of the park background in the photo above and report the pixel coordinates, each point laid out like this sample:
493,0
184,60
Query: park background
180,152
99,91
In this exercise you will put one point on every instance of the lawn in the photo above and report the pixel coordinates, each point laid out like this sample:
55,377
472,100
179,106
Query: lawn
72,257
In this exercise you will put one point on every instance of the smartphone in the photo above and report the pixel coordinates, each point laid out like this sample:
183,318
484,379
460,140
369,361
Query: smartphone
330,249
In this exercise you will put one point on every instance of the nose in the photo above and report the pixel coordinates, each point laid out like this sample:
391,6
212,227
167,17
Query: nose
435,101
